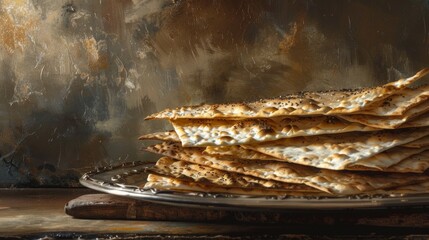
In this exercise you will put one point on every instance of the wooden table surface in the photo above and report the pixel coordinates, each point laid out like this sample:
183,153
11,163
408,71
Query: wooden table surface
38,213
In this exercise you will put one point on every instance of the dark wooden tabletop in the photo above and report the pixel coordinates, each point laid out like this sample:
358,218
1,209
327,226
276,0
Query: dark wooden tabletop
84,214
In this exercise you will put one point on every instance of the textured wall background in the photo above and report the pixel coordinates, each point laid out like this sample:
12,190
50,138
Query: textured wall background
78,77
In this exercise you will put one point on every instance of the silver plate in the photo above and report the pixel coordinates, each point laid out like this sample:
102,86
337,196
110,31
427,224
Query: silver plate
128,180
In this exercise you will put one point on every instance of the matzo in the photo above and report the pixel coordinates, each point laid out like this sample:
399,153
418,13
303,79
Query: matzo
390,157
165,183
221,132
309,103
397,104
218,132
419,121
419,143
163,136
377,162
203,174
417,163
419,188
338,151
388,122
340,183
237,152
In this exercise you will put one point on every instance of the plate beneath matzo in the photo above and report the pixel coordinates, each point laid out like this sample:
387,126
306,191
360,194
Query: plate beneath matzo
129,178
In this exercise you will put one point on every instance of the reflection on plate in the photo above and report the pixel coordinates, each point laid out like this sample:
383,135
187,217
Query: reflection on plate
128,180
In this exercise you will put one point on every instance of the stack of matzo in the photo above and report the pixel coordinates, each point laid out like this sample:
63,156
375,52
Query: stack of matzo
347,142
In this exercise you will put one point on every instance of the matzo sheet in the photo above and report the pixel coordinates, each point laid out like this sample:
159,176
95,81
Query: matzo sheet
338,151
237,152
166,183
221,132
417,163
397,104
163,136
204,174
335,182
172,184
309,103
379,162
388,122
388,158
418,121
421,142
